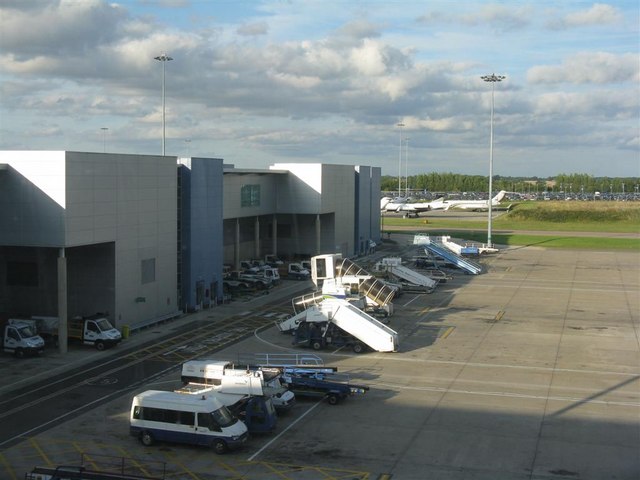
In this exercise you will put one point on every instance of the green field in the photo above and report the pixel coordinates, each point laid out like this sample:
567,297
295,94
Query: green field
569,225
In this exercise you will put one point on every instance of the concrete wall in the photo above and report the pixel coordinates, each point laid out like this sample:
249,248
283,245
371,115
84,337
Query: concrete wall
144,207
201,231
325,190
33,198
110,213
339,196
232,187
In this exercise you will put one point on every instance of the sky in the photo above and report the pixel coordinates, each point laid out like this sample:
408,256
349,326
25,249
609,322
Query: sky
328,81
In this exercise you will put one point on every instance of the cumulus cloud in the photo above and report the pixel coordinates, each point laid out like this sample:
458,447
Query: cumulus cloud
253,29
360,29
589,67
345,81
59,27
499,17
598,14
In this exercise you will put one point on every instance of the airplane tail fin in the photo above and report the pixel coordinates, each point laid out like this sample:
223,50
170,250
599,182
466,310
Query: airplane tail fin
501,194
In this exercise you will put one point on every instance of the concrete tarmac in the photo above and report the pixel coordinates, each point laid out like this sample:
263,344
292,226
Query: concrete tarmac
530,370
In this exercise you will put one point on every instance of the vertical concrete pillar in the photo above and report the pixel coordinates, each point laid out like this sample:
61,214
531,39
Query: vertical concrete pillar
236,253
296,234
62,302
274,240
256,237
318,234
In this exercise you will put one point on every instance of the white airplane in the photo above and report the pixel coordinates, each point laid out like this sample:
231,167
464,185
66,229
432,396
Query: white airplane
388,204
411,209
475,205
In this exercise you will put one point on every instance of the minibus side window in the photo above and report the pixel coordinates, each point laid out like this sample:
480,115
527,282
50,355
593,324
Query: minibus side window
205,420
164,415
186,418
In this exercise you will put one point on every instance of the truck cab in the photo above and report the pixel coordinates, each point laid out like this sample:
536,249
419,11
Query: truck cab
21,339
96,331
93,330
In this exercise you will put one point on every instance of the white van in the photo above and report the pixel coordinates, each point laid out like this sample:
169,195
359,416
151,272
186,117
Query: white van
197,420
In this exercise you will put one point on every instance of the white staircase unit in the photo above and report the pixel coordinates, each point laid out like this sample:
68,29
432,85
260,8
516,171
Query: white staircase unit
325,268
362,326
394,266
315,313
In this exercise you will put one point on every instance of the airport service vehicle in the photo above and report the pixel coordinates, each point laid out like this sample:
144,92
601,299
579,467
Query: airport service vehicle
294,271
272,260
325,335
268,273
315,385
158,416
94,330
20,337
257,412
256,281
349,319
222,376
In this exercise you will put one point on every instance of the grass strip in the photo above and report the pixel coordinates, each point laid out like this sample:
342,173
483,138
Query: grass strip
516,239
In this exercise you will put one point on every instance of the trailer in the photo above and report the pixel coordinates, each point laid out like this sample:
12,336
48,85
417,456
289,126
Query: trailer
316,386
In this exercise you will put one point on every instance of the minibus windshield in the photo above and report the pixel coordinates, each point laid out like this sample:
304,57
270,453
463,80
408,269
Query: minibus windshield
223,417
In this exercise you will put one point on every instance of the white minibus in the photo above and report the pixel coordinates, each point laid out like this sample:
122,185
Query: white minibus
193,419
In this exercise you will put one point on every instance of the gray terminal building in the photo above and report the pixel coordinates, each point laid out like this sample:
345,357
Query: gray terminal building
141,238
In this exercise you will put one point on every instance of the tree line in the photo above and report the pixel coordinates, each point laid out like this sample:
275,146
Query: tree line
455,182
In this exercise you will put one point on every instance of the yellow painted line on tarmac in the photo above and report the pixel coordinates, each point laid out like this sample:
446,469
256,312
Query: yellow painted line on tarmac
36,447
85,456
174,460
7,468
499,316
230,469
447,333
384,476
125,454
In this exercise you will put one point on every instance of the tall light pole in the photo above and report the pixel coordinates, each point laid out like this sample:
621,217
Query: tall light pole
493,79
400,161
104,139
164,58
406,168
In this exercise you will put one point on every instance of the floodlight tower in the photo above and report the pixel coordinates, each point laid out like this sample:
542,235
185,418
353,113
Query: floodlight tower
400,161
164,58
493,79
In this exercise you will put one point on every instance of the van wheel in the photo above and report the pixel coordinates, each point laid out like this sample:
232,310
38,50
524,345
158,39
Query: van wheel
357,347
19,353
219,446
333,399
100,346
146,439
